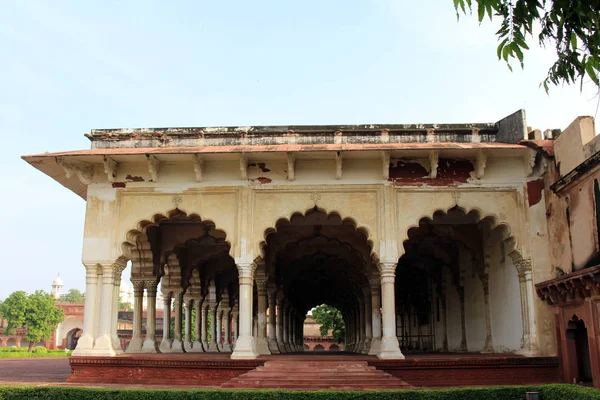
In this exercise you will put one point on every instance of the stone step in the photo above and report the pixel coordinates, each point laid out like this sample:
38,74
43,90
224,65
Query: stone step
313,375
340,375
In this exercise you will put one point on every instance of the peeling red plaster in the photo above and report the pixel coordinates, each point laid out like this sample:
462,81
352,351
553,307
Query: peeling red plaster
262,166
118,184
263,180
450,173
534,191
131,178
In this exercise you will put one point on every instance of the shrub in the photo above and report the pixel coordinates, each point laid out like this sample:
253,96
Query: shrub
39,350
547,392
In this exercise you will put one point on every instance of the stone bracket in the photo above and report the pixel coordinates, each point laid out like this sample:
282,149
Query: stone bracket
153,165
244,166
338,165
83,170
434,158
291,166
110,168
480,163
385,161
198,167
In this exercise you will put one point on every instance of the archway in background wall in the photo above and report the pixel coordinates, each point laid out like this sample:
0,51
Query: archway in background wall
457,287
579,349
314,258
190,259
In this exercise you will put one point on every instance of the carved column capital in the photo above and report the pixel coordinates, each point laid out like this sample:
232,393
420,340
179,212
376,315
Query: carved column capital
138,287
117,270
246,273
387,270
151,286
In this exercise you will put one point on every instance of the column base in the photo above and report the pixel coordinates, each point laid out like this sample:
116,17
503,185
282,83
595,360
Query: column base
135,345
281,347
489,346
165,346
245,349
85,346
176,346
367,346
375,347
205,346
212,348
390,349
286,346
273,346
149,346
103,346
187,346
196,348
262,347
116,342
226,348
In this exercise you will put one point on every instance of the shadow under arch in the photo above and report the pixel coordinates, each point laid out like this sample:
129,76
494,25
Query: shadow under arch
305,218
136,239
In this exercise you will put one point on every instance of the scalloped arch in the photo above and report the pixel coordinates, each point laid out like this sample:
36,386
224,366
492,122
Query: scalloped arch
133,235
491,219
282,220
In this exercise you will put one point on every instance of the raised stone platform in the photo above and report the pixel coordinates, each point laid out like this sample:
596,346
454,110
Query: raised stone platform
329,370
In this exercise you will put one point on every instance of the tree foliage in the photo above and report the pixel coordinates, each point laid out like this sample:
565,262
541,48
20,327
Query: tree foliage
330,318
37,312
13,310
570,25
73,296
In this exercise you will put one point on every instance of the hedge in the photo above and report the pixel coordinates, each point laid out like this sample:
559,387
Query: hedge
547,392
22,352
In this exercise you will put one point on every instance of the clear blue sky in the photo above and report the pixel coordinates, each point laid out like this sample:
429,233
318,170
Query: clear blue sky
70,66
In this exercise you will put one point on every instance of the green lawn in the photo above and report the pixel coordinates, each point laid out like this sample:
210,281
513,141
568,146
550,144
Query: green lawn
18,352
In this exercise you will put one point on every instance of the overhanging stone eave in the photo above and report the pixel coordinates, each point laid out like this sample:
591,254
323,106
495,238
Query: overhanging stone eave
49,166
570,288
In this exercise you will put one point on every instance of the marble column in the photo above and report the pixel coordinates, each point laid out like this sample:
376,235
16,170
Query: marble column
197,345
368,322
117,271
227,333
204,323
279,322
212,344
245,347
219,328
135,344
188,305
390,348
361,325
235,321
286,326
489,342
103,345
529,336
85,344
177,344
165,344
261,340
273,322
150,345
463,323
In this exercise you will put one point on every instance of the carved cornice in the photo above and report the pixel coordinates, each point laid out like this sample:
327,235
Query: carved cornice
83,170
570,288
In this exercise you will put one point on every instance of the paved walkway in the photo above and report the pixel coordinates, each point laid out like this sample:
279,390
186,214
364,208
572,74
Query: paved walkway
34,370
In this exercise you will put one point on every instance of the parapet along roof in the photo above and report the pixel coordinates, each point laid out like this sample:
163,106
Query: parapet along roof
110,147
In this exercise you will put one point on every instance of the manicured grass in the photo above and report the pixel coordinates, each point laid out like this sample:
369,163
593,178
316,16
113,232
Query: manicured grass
547,392
18,352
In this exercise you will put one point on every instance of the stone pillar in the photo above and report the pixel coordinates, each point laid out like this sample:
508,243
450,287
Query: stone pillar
361,325
204,323
103,345
235,315
85,344
390,348
279,322
463,322
177,344
188,304
150,345
529,337
117,271
212,345
135,345
375,316
245,346
261,340
489,343
368,323
219,328
273,322
227,322
198,321
165,344
286,326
